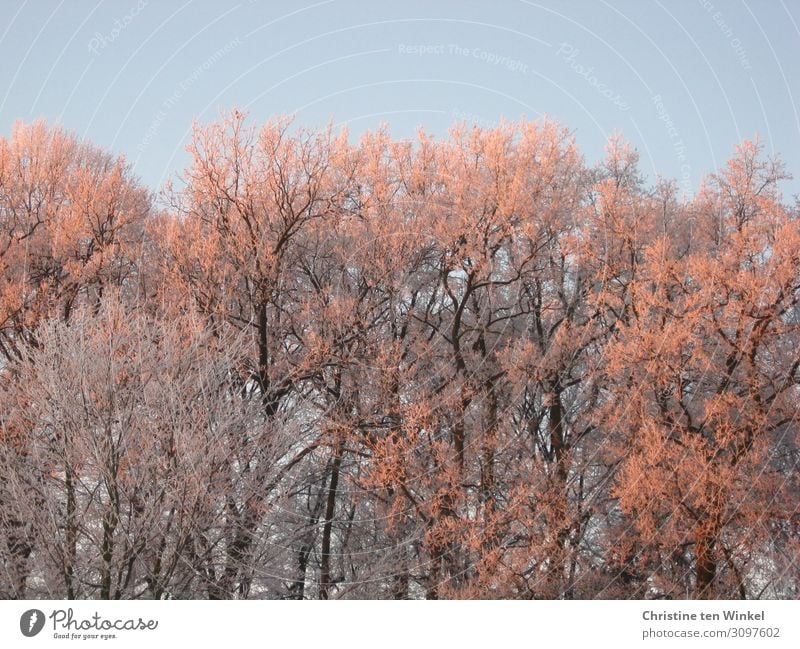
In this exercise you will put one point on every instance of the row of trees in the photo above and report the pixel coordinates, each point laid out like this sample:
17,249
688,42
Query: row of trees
468,368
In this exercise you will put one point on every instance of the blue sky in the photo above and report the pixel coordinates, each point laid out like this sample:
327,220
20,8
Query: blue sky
683,80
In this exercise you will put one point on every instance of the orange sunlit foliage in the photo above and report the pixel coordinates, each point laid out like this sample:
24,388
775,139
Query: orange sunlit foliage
470,367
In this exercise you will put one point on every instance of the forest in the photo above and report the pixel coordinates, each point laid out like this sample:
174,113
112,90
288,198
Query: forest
315,366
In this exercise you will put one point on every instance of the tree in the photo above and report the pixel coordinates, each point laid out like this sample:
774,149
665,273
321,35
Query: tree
707,390
71,222
469,367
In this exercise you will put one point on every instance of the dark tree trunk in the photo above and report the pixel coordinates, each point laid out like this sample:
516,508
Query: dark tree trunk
330,507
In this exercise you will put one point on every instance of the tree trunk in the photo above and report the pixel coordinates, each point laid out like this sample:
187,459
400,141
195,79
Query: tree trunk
330,507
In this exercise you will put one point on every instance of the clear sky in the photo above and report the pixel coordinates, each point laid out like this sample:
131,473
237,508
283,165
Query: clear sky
683,80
